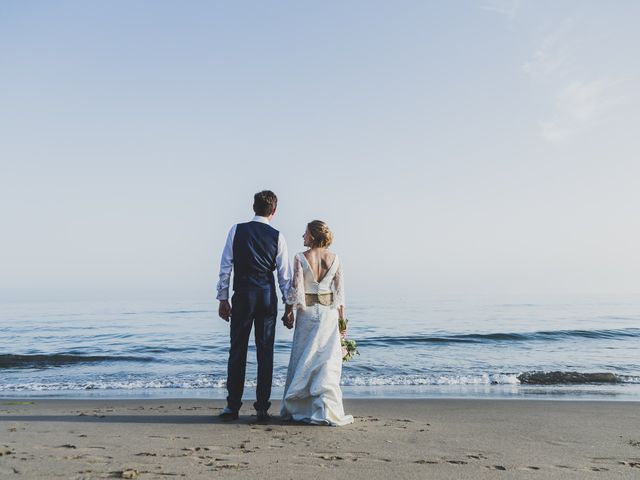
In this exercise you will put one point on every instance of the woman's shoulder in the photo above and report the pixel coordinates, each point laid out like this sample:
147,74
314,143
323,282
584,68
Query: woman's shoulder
329,258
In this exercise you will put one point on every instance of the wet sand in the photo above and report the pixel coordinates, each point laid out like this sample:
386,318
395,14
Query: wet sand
401,439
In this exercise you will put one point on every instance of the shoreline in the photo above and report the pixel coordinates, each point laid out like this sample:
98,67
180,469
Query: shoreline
561,393
409,438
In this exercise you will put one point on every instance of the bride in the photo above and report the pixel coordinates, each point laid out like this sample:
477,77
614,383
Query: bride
312,393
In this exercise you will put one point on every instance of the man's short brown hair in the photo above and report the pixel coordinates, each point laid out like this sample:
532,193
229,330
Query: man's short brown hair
265,203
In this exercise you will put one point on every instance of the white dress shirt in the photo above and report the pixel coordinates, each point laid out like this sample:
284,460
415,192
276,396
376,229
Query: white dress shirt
226,263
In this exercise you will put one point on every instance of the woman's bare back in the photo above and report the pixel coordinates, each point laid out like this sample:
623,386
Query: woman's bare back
320,260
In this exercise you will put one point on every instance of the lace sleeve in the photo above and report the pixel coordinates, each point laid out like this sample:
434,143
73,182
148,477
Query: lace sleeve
295,295
337,285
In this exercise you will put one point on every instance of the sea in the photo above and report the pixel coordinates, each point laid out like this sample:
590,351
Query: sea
449,347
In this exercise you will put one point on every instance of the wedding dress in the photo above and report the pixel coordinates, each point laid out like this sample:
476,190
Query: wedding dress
312,393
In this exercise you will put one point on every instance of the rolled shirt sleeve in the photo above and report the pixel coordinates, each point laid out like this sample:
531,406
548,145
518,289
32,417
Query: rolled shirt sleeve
226,265
283,267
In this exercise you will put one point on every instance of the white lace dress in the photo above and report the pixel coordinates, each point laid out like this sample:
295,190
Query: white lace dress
312,393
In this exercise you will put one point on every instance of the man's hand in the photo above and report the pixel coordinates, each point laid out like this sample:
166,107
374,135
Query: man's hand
224,310
288,319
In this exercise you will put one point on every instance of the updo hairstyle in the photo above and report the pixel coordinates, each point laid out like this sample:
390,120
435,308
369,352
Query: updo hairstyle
322,236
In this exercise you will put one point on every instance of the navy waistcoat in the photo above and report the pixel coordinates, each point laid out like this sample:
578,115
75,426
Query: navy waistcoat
255,247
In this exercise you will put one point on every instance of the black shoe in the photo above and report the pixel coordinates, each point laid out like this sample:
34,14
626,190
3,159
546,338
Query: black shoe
227,415
263,416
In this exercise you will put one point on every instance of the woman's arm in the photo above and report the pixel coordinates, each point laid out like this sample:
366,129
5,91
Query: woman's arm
295,297
338,290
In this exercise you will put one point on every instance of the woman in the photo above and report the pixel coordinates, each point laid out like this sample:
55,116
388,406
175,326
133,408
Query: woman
312,393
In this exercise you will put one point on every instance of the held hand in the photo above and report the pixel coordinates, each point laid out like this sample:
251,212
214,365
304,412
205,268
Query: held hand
288,319
224,310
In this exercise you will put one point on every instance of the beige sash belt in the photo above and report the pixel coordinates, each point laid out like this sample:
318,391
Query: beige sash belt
325,299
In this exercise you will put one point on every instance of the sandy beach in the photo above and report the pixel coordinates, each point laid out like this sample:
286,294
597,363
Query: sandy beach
431,438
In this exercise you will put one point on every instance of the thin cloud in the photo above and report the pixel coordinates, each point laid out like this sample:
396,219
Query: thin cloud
577,104
507,8
580,106
553,56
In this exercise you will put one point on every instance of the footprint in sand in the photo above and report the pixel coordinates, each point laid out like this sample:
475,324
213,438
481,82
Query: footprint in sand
330,457
477,456
5,450
228,466
6,471
74,457
496,467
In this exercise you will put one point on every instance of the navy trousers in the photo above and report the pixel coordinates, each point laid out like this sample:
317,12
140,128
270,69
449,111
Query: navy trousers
256,307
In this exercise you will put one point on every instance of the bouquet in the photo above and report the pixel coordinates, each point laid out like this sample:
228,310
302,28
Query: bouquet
349,347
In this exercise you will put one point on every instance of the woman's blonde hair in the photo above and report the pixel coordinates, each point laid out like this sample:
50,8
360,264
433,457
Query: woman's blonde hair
322,236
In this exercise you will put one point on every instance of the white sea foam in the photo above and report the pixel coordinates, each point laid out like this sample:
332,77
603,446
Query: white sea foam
408,380
209,381
194,382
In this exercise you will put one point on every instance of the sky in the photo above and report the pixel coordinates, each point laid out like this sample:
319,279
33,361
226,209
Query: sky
468,147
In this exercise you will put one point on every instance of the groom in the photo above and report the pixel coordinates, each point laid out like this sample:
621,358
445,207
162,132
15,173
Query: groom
253,251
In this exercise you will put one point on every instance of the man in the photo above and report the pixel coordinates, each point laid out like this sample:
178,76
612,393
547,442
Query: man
253,251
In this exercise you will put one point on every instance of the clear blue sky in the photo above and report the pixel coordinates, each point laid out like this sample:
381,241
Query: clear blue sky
454,147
